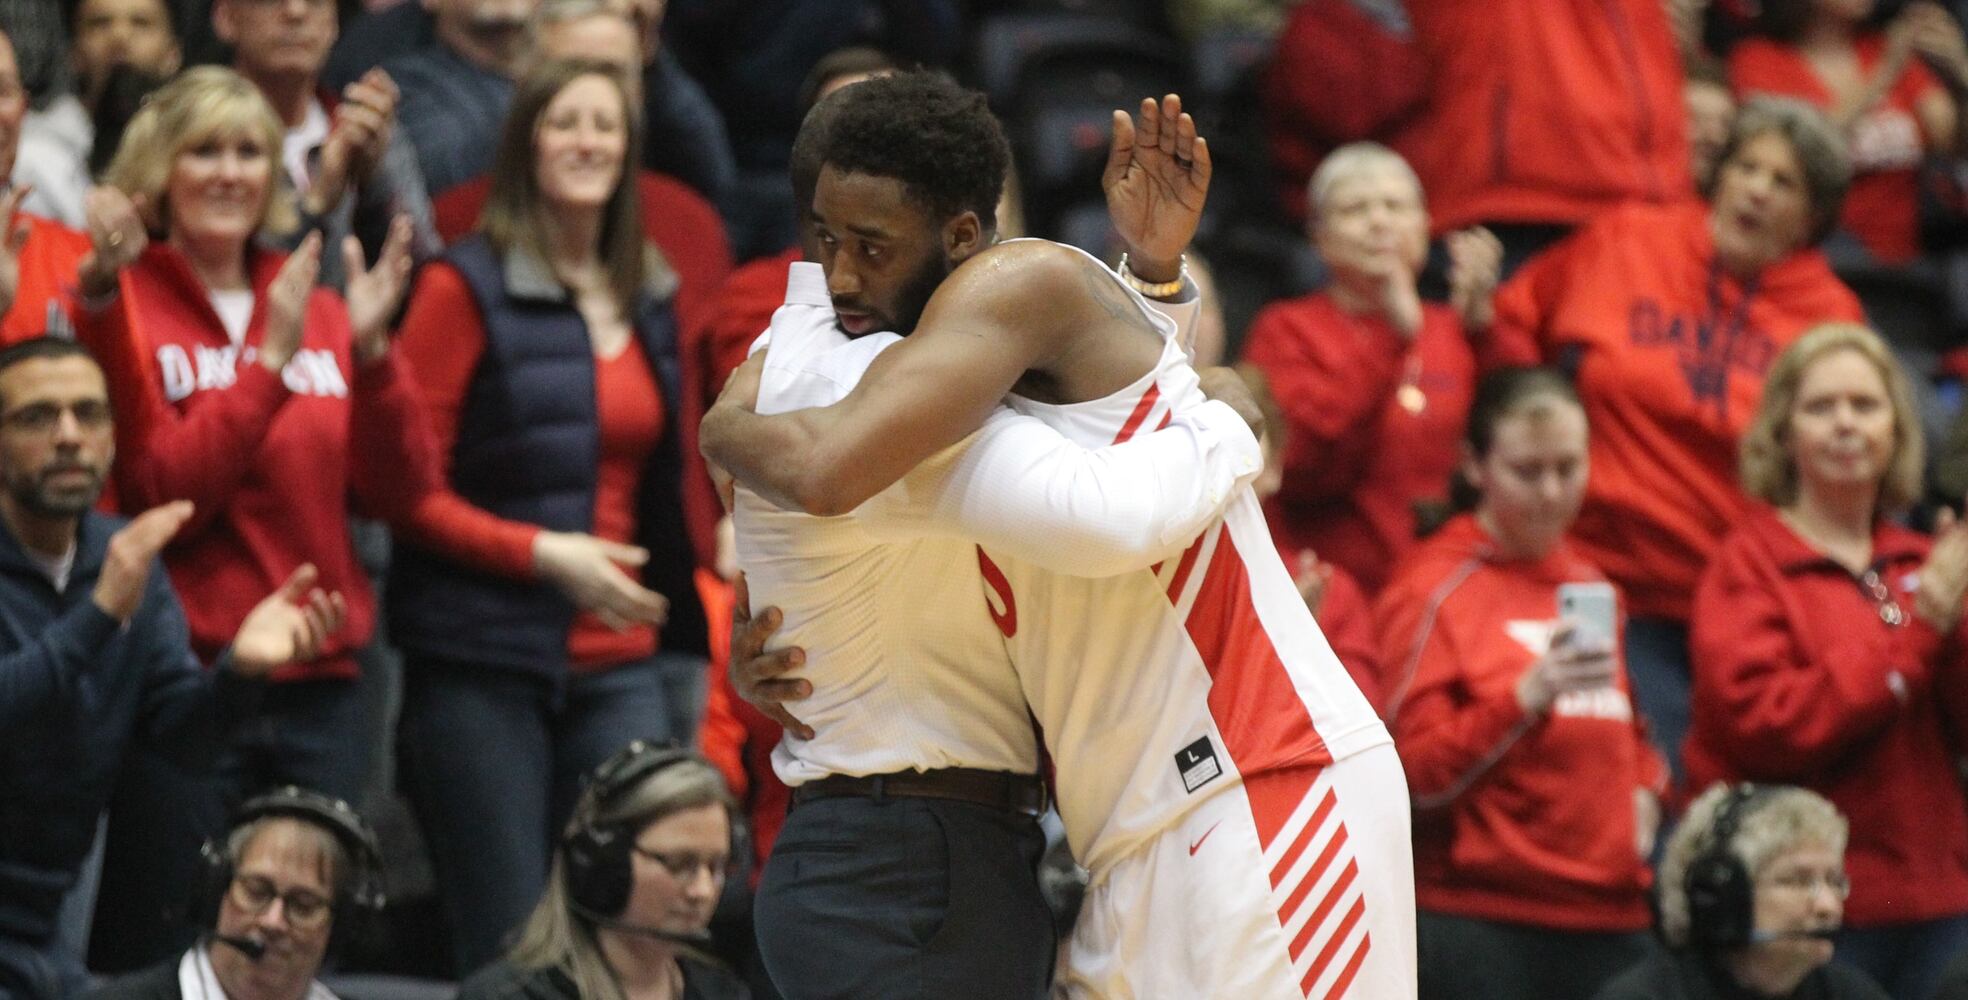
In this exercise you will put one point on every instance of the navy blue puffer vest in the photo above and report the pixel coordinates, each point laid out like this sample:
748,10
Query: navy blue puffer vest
528,448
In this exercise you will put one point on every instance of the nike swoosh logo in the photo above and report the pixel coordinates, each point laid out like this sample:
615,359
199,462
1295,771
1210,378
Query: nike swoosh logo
1193,848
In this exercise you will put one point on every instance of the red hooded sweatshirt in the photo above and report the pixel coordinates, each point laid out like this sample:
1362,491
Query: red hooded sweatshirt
1669,353
271,462
1521,819
1799,679
1548,110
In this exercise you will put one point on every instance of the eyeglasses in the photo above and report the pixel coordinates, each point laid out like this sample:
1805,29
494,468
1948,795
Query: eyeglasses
684,867
305,910
1803,882
41,418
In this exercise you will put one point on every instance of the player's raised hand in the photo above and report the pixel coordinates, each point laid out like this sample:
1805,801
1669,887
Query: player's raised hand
1157,176
758,675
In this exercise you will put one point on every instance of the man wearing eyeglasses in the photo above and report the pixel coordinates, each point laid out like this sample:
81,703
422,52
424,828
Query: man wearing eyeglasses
94,653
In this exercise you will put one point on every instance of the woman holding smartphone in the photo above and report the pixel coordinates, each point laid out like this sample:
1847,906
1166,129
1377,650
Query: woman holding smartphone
1536,793
1828,652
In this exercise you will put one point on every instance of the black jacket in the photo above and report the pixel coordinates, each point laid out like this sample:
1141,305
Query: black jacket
503,981
76,688
159,982
1685,975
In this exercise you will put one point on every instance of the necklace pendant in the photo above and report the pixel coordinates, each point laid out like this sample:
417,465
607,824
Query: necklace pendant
1411,398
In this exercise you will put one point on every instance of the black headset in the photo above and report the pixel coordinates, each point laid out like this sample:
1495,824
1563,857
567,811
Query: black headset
359,898
599,871
1721,893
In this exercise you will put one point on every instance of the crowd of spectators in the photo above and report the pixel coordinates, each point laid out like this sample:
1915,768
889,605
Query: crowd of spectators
1649,298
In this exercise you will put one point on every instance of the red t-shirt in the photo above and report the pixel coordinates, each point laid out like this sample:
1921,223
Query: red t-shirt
1887,143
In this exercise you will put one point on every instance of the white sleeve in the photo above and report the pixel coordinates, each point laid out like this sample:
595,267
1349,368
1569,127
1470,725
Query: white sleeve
1019,486
1183,314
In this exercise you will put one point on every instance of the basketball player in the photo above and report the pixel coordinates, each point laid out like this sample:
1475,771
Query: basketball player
1240,806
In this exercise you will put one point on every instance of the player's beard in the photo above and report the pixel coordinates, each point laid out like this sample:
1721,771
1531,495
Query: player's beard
914,295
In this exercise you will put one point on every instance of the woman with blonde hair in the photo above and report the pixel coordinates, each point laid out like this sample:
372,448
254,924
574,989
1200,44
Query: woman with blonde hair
634,881
545,349
1827,647
275,407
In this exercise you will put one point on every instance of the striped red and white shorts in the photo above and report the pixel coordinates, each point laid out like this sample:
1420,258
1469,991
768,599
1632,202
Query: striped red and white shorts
1296,884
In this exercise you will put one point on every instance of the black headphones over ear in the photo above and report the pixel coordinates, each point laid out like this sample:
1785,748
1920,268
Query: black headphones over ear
1721,892
599,871
357,908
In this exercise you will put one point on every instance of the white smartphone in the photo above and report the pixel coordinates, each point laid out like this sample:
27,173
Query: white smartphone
1593,610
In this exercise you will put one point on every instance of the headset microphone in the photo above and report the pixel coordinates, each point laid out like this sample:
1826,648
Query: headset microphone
698,939
1763,937
252,948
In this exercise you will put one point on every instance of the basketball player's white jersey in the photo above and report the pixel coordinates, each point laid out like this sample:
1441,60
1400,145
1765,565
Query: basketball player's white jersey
908,671
1202,678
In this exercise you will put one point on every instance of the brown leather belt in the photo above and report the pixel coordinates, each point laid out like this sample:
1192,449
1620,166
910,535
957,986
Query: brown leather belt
1024,794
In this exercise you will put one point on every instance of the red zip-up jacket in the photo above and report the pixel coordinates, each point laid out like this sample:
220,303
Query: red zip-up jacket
1355,459
1798,679
1521,819
1548,111
1669,352
272,462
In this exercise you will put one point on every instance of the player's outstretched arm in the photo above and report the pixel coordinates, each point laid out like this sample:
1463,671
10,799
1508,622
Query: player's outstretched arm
998,315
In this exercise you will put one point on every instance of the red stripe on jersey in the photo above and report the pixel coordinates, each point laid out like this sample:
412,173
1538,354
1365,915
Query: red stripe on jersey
1316,923
1182,568
1166,417
1140,413
994,577
1332,947
1264,721
1352,968
1304,838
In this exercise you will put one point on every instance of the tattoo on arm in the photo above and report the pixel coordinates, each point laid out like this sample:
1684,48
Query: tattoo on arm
1113,299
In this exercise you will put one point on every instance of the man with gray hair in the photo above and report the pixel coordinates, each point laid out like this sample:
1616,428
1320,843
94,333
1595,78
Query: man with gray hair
352,172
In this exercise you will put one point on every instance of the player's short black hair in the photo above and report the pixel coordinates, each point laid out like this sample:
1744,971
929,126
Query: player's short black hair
939,139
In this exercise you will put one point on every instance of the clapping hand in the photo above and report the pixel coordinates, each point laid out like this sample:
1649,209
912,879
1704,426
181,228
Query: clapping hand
375,293
1944,578
356,139
289,626
117,237
1475,262
13,239
287,300
590,572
